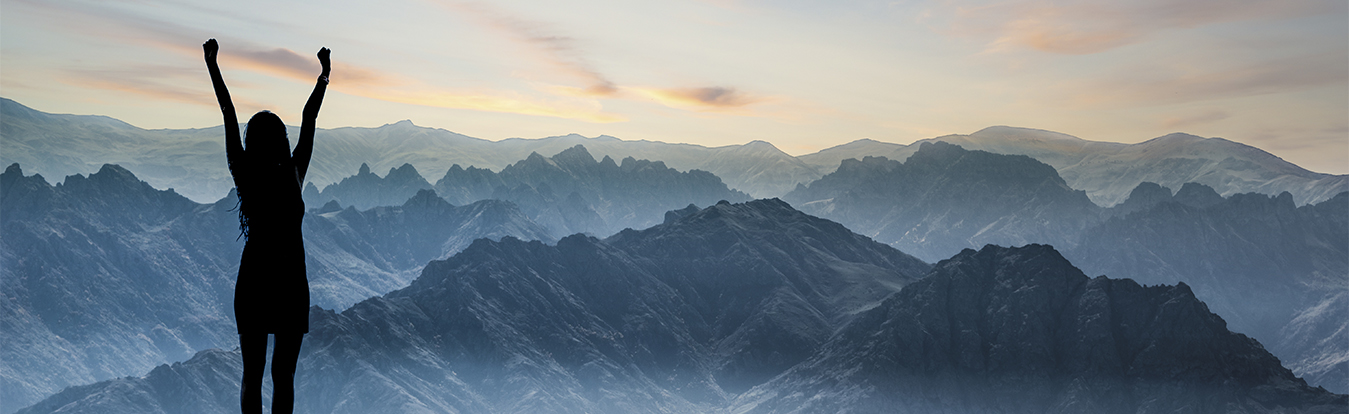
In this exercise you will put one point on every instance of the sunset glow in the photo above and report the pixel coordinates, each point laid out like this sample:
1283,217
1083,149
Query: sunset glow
802,75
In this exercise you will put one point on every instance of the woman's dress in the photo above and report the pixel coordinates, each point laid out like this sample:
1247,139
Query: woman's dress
272,292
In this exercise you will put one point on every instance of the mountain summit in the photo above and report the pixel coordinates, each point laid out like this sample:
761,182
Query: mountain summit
945,198
570,192
1020,330
1107,171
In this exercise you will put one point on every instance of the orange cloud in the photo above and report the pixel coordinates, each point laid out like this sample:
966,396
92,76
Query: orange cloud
145,81
285,63
562,54
158,83
714,98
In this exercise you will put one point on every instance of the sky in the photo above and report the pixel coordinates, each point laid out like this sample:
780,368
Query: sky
803,75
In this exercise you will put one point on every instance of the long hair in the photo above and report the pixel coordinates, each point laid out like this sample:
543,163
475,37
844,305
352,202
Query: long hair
265,147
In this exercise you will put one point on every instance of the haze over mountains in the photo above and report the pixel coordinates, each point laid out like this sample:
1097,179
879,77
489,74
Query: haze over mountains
192,162
711,305
1270,268
944,199
1273,270
1020,330
702,314
569,192
1108,171
644,319
105,276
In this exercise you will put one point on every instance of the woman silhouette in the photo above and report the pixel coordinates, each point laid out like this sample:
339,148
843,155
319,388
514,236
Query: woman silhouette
271,295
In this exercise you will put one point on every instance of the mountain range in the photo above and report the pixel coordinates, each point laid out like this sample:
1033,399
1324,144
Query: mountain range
650,321
673,317
944,199
737,307
1108,171
1270,268
568,193
105,276
1020,330
192,160
1273,270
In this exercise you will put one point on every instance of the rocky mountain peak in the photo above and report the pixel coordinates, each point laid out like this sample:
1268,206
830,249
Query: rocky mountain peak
1197,195
575,156
1144,196
112,179
1005,328
329,207
673,215
426,199
405,172
534,157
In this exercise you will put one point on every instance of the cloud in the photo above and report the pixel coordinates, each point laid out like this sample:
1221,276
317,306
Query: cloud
562,54
145,81
158,83
101,21
280,61
164,83
558,51
286,63
1093,26
705,98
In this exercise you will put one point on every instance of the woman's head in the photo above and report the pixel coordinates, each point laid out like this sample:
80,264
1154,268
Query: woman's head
265,138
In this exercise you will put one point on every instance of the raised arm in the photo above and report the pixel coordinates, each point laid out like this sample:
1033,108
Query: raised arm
304,148
234,149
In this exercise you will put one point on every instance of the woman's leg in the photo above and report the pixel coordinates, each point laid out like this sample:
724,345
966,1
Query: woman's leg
254,347
284,356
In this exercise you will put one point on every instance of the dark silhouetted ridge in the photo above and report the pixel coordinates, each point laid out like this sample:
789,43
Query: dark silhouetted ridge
1020,330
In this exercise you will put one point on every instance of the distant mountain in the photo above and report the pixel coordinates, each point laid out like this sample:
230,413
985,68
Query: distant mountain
596,326
1020,330
572,193
1270,268
105,276
1273,270
1107,171
192,161
674,318
944,199
827,160
758,168
55,145
353,254
365,190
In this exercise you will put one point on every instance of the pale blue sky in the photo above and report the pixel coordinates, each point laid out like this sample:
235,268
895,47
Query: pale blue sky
804,75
